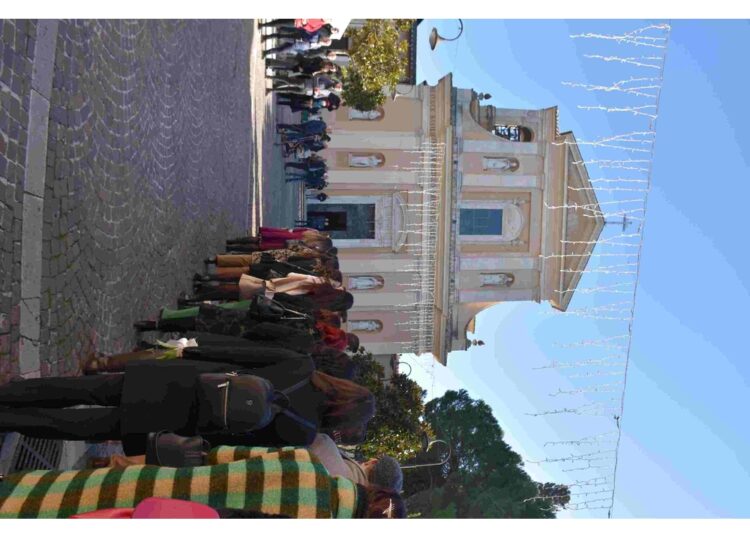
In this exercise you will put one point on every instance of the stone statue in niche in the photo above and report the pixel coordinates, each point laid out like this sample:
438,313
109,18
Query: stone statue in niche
366,161
497,280
371,115
501,164
365,325
365,282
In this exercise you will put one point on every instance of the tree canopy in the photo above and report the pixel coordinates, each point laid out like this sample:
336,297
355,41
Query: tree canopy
397,428
484,477
378,59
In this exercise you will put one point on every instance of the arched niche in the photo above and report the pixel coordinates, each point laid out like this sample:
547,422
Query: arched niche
500,164
497,279
369,325
365,160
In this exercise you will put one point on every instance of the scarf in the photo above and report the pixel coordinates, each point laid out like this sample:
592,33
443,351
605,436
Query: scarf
287,481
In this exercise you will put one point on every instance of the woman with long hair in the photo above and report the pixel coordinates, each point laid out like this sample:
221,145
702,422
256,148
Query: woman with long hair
321,297
293,284
267,268
235,318
233,478
275,238
293,249
152,396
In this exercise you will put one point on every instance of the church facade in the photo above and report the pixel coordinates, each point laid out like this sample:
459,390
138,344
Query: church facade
441,207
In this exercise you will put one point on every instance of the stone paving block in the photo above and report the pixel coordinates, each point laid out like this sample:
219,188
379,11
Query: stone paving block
31,253
37,149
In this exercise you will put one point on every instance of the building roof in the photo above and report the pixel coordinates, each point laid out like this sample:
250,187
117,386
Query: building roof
583,222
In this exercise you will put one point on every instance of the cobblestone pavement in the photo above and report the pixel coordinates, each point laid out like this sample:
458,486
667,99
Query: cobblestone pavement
148,170
17,43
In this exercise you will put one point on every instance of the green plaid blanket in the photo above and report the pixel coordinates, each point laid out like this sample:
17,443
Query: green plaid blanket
287,481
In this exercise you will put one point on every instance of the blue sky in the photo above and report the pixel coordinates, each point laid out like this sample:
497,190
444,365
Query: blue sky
685,447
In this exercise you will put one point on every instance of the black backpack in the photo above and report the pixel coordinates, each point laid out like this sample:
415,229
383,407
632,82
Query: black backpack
239,403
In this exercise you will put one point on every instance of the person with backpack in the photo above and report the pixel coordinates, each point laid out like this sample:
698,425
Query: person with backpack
267,263
291,402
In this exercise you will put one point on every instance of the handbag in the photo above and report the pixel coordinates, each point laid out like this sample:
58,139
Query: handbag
171,450
240,403
269,310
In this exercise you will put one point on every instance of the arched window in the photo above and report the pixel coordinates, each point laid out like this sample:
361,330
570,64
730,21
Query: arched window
371,115
365,282
502,164
513,132
501,279
367,326
366,160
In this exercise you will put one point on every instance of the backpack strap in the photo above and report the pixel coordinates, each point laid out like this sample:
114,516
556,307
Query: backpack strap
298,419
288,412
294,387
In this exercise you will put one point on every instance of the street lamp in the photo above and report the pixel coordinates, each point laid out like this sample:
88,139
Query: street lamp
483,96
427,445
435,38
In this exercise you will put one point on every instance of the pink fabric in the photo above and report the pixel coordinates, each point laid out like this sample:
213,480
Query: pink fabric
272,232
155,508
275,237
310,25
106,513
293,284
272,243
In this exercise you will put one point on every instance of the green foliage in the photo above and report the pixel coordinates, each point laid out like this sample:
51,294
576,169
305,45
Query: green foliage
449,512
396,428
484,477
378,59
356,96
558,493
404,25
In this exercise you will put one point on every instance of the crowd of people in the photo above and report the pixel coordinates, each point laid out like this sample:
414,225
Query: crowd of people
244,413
270,308
306,78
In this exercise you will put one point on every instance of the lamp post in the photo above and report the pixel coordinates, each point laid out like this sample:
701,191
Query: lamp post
435,38
426,446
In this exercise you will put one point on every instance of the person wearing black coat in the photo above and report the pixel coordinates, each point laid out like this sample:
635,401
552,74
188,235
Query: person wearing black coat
310,164
151,396
306,128
311,178
235,322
